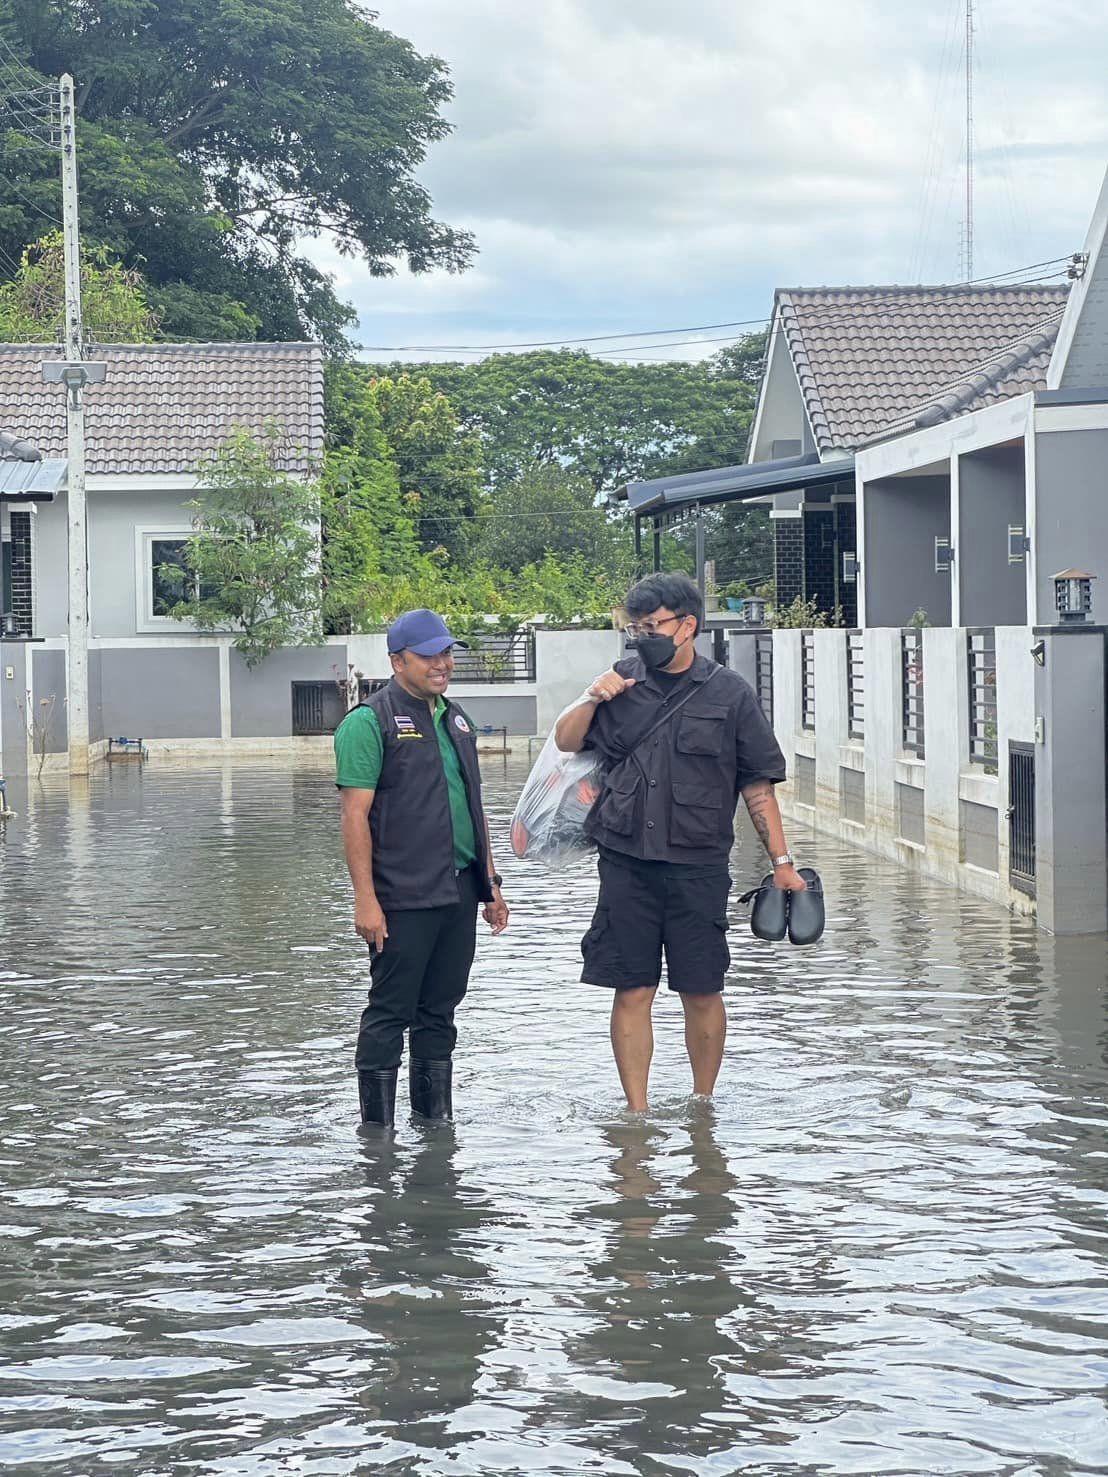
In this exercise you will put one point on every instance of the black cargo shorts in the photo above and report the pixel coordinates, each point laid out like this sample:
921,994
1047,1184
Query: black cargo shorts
647,908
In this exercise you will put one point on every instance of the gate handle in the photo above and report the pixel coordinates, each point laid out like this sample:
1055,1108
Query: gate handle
1010,812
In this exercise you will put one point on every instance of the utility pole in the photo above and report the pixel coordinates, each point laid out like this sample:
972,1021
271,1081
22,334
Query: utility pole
47,113
77,712
969,140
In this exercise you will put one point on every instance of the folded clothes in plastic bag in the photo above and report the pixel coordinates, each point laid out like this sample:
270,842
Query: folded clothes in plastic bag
549,820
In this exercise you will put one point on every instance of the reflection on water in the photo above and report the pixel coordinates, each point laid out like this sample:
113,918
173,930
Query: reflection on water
881,1252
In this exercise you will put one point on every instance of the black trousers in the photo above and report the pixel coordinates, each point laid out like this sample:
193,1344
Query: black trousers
418,980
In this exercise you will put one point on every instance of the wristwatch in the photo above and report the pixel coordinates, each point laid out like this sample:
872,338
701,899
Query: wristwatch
787,860
497,880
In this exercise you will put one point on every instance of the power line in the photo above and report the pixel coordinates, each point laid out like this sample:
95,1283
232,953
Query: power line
555,343
28,201
877,309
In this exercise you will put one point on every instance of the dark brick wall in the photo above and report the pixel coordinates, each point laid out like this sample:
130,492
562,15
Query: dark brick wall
20,598
819,557
788,559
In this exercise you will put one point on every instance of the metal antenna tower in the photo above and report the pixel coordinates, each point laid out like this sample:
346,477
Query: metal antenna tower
969,142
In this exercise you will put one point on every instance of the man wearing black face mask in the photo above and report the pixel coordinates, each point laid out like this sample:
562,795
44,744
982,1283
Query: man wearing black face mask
683,738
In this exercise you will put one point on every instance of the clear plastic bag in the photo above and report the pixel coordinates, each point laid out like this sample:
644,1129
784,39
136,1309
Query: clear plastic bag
549,820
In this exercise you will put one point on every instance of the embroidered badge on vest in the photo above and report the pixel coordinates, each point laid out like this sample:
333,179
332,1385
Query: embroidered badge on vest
405,727
460,723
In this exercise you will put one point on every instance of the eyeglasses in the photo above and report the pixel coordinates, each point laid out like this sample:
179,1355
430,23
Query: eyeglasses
635,629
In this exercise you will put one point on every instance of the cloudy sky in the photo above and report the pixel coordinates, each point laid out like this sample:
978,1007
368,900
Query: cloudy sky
637,165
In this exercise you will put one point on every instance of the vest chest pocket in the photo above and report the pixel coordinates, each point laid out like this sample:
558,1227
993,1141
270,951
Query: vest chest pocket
702,732
694,818
617,807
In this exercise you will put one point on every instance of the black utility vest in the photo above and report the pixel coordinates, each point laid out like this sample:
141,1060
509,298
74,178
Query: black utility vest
413,837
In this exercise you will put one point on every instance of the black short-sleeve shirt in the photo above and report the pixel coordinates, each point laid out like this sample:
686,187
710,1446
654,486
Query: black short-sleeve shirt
672,798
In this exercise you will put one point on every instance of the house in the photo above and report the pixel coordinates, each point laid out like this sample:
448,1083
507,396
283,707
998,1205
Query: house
162,410
934,458
849,366
846,367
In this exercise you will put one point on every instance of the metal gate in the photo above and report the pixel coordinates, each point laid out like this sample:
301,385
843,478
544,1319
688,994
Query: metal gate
319,707
763,663
307,707
1021,817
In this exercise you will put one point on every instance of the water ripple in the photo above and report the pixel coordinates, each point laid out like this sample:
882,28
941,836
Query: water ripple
882,1252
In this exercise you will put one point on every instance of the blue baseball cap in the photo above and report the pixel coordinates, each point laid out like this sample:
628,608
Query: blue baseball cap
421,631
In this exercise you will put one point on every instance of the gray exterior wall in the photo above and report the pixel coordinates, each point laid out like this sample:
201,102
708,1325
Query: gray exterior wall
168,693
1070,794
910,821
980,835
804,778
903,516
990,497
1071,514
261,700
48,668
13,728
95,698
517,714
852,795
51,546
112,520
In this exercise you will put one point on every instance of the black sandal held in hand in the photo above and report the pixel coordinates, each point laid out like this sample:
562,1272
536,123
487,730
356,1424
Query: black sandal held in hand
806,911
769,917
777,911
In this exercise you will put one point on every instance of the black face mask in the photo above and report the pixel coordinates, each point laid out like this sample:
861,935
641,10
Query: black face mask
656,651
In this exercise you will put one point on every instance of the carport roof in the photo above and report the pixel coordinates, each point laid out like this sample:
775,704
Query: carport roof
736,484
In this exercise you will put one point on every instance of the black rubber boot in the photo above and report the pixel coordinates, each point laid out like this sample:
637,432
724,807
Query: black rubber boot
429,1088
377,1096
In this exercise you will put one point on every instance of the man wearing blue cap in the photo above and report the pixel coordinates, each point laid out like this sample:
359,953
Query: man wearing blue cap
418,850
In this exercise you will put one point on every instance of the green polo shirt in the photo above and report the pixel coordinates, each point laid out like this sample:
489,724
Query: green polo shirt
360,753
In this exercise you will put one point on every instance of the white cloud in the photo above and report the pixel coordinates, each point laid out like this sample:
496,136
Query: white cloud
631,163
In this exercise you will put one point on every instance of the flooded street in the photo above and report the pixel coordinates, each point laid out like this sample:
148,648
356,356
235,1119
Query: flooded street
884,1250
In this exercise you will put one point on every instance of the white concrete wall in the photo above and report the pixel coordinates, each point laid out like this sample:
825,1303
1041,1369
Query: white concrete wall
369,654
945,774
565,663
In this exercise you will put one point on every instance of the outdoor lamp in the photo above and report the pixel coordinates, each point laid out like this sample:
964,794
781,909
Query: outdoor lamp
74,374
1073,595
754,610
9,624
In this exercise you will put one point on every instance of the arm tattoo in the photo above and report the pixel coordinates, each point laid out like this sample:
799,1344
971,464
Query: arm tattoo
757,800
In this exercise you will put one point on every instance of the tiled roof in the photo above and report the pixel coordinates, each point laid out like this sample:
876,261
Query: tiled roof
870,358
167,407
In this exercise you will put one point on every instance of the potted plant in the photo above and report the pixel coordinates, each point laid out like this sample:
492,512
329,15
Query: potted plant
735,593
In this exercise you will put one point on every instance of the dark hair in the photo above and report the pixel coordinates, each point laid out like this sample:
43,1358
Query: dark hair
674,591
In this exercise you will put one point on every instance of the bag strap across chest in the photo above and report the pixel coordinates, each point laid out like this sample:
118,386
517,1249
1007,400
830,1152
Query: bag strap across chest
669,707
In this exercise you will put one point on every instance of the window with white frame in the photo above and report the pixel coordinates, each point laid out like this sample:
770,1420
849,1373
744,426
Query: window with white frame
164,578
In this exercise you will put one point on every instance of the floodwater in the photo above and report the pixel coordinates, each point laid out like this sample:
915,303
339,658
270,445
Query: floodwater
882,1252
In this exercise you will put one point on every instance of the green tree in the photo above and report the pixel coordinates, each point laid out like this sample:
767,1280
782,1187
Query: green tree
609,422
252,567
549,511
370,539
216,135
436,462
32,304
